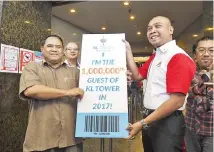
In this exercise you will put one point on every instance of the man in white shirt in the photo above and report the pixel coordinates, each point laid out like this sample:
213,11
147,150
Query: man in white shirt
169,72
72,52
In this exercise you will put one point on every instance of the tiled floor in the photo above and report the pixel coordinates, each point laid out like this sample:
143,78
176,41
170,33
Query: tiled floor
118,145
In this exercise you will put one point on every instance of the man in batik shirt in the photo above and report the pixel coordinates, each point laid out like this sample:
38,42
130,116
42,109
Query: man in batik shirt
199,107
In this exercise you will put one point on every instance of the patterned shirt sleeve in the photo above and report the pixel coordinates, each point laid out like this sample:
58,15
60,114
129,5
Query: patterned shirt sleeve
197,85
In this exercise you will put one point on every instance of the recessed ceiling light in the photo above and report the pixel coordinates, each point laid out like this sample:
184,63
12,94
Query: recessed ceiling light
103,28
27,22
138,33
74,34
49,29
195,35
126,3
132,17
209,29
72,10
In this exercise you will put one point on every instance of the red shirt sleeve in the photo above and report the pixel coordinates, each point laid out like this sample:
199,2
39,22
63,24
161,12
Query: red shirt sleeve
180,72
144,69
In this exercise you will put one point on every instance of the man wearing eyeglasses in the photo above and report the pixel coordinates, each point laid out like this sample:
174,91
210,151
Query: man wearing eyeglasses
199,107
72,52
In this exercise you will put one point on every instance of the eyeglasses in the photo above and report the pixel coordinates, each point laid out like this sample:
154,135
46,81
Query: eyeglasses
71,49
202,51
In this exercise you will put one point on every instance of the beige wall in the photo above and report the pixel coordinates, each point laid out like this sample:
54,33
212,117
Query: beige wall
199,26
66,30
140,47
185,40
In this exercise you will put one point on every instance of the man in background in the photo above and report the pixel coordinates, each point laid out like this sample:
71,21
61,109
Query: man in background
72,52
199,107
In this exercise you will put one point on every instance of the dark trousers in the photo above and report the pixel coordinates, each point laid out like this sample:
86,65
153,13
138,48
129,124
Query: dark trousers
198,143
147,144
165,135
75,148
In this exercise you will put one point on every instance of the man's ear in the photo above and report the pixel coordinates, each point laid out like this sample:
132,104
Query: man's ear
171,30
194,57
42,49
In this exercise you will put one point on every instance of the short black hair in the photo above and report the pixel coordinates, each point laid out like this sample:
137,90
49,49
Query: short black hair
43,42
204,38
170,21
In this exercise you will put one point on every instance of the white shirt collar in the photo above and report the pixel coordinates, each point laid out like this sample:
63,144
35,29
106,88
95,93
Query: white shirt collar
166,46
78,64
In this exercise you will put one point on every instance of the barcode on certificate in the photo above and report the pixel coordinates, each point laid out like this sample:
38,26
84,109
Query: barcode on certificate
101,123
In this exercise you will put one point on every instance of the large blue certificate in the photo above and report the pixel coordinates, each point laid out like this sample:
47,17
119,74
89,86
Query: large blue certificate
103,111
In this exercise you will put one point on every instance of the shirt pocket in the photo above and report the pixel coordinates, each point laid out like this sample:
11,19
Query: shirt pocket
70,82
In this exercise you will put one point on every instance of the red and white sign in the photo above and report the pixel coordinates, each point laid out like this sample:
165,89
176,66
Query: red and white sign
26,56
9,59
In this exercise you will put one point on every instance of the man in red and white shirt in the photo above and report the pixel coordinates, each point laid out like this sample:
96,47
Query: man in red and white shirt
169,72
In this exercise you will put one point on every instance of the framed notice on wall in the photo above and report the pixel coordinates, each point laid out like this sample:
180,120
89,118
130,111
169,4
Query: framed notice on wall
26,56
103,110
9,59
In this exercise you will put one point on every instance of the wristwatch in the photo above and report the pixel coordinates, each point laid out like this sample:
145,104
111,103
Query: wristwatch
145,126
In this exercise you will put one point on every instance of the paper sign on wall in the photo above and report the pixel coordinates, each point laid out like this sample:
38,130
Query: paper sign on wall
26,56
9,57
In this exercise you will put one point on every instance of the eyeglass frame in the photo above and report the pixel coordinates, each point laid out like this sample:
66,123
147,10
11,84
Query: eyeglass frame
204,51
71,49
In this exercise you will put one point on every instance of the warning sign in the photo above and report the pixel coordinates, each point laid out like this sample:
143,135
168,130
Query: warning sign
26,56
